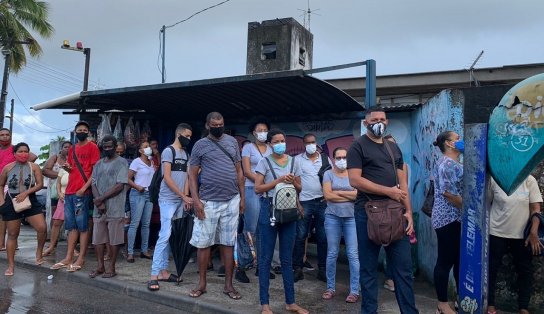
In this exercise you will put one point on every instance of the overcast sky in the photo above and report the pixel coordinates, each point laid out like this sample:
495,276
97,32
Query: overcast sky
402,36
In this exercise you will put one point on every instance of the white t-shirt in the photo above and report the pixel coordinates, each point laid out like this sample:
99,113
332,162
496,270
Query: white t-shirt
509,214
143,173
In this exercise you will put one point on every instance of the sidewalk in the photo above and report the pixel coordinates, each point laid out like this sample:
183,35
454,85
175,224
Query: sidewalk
132,278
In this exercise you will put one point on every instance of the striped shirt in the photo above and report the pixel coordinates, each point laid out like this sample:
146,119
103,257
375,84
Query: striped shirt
218,177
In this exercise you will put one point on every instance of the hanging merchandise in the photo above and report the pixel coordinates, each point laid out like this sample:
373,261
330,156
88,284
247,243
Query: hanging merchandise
146,132
130,134
104,128
137,132
118,131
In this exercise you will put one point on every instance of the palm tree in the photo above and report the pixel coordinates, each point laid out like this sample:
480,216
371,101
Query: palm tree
15,17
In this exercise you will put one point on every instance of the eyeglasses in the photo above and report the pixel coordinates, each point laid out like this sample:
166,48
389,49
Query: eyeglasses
340,158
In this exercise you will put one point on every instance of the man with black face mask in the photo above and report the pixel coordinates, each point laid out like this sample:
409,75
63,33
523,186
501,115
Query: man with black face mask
218,201
110,175
78,197
371,171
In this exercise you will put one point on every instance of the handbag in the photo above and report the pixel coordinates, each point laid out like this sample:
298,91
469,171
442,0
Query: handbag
386,221
540,231
428,203
283,208
24,204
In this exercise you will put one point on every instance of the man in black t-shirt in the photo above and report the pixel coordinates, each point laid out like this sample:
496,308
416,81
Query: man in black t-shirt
371,172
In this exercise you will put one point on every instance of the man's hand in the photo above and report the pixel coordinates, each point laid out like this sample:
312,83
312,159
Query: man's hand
98,202
410,220
242,205
102,209
187,200
396,194
199,209
534,242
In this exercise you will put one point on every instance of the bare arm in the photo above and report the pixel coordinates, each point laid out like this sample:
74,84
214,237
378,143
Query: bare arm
455,200
241,186
332,196
48,168
131,174
3,179
350,195
59,188
364,185
261,187
32,157
403,182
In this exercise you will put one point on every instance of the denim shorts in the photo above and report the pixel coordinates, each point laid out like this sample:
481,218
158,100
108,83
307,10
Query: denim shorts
76,212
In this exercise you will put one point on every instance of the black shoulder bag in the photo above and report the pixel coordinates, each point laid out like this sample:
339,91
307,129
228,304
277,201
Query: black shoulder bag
79,165
386,219
224,150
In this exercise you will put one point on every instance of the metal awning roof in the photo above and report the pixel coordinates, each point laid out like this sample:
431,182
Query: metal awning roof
273,94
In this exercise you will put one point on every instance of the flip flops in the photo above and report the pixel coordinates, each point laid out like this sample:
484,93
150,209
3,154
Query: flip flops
57,266
109,275
95,273
153,285
233,294
73,268
196,293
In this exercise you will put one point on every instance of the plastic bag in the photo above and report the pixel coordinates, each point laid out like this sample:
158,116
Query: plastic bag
130,134
118,131
145,135
104,128
244,251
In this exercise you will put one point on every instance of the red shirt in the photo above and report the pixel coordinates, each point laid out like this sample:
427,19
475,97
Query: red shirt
6,156
88,155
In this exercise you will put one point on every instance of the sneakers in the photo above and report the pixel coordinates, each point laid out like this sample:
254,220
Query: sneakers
389,285
241,276
277,270
272,276
321,275
221,271
308,266
298,275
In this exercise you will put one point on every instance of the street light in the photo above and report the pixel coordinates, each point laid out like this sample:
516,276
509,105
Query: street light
87,53
6,51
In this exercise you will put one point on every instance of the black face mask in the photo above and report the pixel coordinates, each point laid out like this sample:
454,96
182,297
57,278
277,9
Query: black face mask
184,141
109,152
82,136
217,132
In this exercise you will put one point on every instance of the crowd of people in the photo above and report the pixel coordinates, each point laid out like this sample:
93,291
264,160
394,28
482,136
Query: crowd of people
104,198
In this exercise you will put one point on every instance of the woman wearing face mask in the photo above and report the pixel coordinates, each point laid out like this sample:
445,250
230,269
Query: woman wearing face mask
339,219
446,214
24,179
251,155
265,184
140,173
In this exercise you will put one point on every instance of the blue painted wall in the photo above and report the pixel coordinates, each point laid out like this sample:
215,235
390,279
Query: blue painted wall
442,112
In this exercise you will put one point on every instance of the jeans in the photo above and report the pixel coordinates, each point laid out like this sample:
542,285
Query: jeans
522,260
312,209
266,243
400,261
141,209
334,227
76,212
252,209
449,248
162,248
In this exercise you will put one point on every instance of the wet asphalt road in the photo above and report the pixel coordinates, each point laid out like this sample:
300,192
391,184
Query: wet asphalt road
31,292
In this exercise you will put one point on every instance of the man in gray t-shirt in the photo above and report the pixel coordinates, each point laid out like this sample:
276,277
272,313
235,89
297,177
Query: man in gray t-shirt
218,201
109,177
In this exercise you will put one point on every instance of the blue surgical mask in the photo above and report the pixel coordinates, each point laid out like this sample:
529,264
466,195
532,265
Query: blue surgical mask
279,148
460,146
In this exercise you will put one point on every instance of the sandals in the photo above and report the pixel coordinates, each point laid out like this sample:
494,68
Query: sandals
327,295
57,266
95,273
233,294
130,259
171,278
196,293
109,275
146,256
73,268
153,285
352,298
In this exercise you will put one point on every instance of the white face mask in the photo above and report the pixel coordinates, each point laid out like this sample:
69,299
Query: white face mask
261,136
341,164
311,148
148,151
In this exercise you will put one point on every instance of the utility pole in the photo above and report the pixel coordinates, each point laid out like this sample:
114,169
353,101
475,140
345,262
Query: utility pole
87,53
11,117
163,31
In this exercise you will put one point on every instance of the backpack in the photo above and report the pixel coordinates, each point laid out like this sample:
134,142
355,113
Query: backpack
428,203
325,165
155,185
284,200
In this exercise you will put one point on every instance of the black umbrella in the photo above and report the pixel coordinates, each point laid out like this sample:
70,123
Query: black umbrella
182,230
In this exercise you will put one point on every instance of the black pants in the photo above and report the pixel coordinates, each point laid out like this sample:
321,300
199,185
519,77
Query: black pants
522,261
449,238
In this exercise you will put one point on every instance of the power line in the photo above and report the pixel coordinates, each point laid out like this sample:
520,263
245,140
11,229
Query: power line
32,115
213,6
41,131
58,89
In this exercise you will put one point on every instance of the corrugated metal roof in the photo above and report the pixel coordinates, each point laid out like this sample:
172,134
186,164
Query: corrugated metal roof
275,94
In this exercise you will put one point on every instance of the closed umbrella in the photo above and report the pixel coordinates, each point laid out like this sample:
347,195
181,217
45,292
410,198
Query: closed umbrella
182,230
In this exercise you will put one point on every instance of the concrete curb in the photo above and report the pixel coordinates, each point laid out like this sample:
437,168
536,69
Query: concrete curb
166,298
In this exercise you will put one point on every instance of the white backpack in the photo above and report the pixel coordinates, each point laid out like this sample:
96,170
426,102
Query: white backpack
284,200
